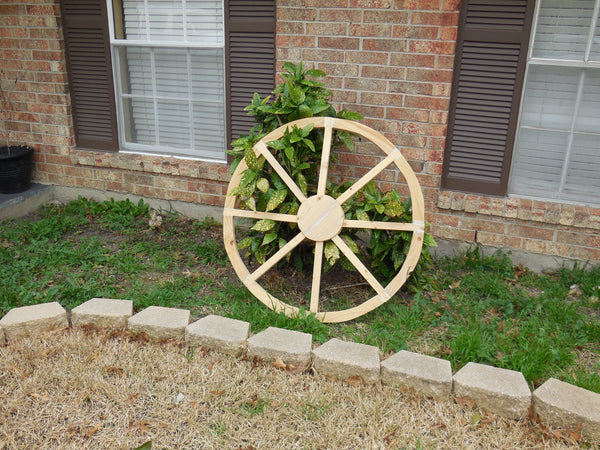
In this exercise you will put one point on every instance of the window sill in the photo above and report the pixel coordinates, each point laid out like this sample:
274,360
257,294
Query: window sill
578,216
164,165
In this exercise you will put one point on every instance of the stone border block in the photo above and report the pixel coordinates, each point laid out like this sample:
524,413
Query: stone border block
32,320
293,347
344,360
160,323
426,374
102,312
501,391
218,333
562,405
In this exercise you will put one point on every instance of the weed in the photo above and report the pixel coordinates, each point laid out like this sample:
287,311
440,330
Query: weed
478,308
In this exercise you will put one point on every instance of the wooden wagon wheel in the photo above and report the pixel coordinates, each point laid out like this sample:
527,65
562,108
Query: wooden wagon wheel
321,218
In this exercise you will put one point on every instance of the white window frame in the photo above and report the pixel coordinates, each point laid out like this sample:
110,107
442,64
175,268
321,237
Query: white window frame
552,62
217,155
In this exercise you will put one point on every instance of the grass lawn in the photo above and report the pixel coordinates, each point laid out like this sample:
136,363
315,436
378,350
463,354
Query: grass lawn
473,308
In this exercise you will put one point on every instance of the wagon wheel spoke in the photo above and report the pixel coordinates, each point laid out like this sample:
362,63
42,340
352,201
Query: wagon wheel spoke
316,281
325,156
234,212
291,245
361,182
391,226
262,148
361,268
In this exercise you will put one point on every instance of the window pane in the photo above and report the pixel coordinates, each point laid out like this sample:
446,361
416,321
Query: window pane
174,21
172,75
140,121
538,162
136,72
588,115
563,28
549,99
174,124
205,21
595,50
583,173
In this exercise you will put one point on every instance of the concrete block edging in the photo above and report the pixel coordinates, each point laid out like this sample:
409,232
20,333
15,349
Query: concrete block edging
500,391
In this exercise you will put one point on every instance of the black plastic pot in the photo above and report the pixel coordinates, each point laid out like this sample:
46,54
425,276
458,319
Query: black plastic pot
16,162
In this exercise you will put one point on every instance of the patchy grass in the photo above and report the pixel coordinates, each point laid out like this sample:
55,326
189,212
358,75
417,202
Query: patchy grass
474,308
80,388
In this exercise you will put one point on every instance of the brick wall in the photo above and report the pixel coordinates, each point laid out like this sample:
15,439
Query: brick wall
391,60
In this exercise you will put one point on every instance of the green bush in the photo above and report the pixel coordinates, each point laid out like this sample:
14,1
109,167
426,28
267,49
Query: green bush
299,152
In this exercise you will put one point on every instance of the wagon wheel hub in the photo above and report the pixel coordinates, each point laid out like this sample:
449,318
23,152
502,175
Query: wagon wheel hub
320,218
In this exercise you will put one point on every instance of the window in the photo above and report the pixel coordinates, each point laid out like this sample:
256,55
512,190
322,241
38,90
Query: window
178,77
557,155
169,70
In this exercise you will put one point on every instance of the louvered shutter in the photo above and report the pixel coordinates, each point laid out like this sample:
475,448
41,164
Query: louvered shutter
250,56
488,78
87,48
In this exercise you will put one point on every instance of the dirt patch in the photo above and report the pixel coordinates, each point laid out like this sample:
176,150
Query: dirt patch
90,389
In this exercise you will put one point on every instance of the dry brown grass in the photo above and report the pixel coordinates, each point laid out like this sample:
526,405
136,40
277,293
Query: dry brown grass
90,389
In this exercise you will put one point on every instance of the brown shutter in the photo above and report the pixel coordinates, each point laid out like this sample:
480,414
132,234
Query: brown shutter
250,56
489,68
87,46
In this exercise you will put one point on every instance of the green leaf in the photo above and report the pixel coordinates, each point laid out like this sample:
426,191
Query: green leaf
145,446
277,145
331,252
393,209
276,199
350,115
250,203
245,243
304,111
235,191
250,158
361,214
269,237
309,144
282,242
315,73
263,185
291,155
380,208
301,182
307,129
264,225
297,95
428,241
346,139
350,243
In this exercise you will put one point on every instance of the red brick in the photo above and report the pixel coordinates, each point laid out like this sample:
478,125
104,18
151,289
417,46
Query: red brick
412,60
371,4
451,5
296,14
343,43
443,219
531,232
389,17
367,57
578,239
284,27
296,41
379,30
365,84
427,102
419,4
385,72
327,29
385,45
419,115
340,15
585,253
498,240
383,99
116,186
339,70
413,32
323,55
412,87
446,232
434,18
327,3
545,247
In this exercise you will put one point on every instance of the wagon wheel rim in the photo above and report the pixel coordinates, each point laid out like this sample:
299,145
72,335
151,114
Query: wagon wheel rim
321,227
